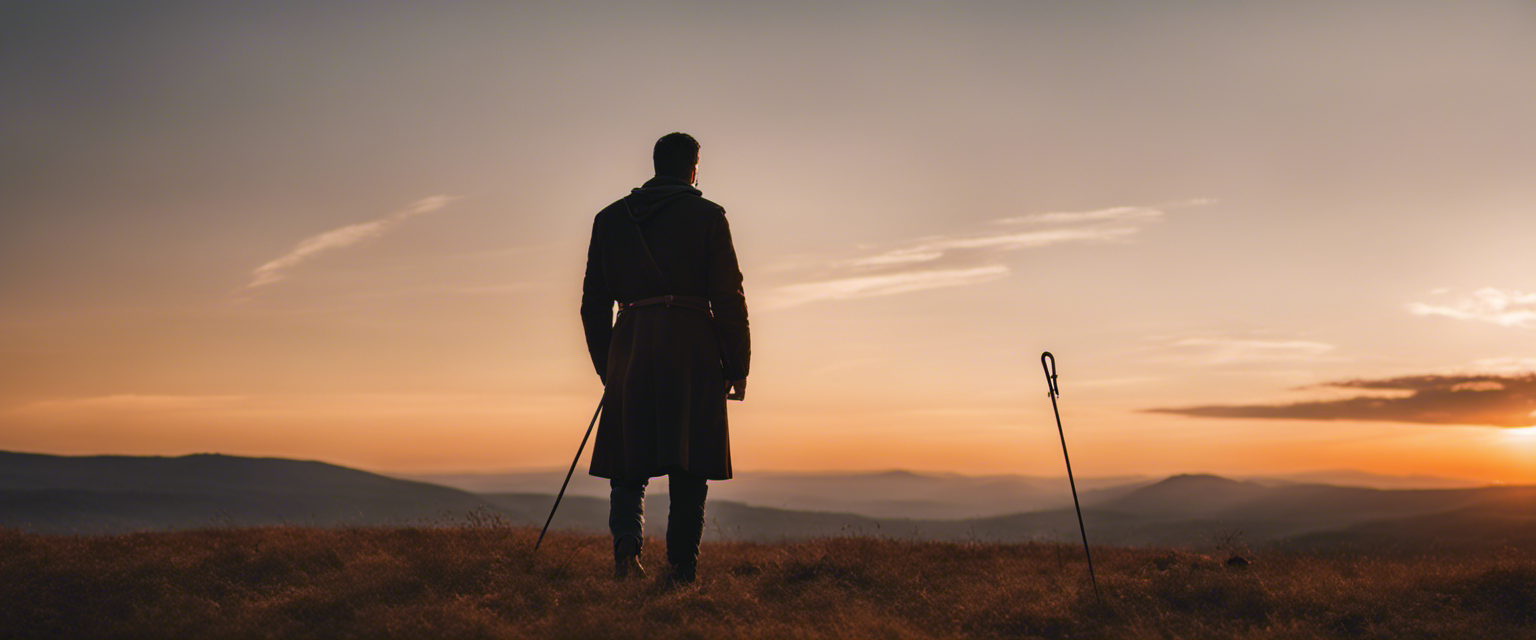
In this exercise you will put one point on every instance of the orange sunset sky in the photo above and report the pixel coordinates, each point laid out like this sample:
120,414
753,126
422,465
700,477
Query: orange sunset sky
1259,237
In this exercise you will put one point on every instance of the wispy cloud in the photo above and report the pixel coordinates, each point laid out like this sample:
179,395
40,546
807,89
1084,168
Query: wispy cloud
1221,350
1115,214
1504,308
1226,349
129,402
337,238
960,259
935,249
1506,364
1485,400
881,285
466,290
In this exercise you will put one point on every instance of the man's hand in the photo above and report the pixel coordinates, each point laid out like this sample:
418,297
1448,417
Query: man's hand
736,390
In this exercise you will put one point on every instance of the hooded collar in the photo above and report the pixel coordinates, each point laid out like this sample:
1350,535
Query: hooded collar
649,199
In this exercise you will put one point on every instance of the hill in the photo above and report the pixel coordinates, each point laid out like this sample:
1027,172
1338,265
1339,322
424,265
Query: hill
927,495
482,582
1187,495
124,493
1264,513
1354,478
878,494
103,494
1509,523
725,520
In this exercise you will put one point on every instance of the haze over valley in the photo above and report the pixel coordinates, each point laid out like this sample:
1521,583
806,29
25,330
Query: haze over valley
106,494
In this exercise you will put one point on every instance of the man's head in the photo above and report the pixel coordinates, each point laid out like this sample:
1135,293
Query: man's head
676,155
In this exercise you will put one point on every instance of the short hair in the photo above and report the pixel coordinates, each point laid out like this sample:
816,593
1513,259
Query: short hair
676,155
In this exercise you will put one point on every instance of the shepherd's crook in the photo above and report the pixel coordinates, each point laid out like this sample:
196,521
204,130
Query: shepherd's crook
568,476
1048,361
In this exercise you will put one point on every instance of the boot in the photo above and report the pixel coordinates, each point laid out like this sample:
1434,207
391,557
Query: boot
682,574
626,559
685,527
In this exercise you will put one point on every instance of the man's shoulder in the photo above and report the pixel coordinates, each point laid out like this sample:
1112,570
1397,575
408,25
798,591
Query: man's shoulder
702,207
614,208
689,203
710,205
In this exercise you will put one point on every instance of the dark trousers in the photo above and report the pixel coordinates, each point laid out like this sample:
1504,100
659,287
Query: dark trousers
685,520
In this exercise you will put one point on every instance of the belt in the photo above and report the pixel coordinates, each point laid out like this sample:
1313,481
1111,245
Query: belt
690,302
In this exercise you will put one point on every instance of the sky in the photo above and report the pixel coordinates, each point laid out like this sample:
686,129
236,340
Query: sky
1258,237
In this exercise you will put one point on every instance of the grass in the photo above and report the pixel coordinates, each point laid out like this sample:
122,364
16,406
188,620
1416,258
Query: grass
480,581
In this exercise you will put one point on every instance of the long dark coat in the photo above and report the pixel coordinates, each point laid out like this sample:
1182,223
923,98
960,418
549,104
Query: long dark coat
665,367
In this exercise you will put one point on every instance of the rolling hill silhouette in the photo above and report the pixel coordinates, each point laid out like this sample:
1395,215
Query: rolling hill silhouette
1185,496
118,493
1506,517
879,494
99,494
1293,509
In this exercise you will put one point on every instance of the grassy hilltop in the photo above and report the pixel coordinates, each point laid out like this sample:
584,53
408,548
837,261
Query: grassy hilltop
479,581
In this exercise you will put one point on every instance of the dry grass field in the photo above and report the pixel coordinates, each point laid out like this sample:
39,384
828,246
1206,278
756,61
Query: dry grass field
480,581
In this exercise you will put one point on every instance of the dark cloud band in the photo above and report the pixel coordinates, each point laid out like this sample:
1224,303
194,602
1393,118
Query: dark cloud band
1485,400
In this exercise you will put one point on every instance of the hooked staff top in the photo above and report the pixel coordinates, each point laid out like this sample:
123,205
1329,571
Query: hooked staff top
1048,362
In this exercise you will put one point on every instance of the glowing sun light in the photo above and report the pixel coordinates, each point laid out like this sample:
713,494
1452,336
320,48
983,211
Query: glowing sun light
1521,434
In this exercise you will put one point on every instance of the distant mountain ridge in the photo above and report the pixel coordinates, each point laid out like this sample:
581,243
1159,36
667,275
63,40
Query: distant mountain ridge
198,471
1187,494
114,493
912,494
1367,480
100,494
877,494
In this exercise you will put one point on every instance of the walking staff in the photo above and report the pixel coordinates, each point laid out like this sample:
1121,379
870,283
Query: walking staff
567,482
1048,361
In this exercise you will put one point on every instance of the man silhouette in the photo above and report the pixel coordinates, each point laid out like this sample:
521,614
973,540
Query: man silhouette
679,348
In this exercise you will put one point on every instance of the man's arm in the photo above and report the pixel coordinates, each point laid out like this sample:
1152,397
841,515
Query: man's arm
596,308
729,302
